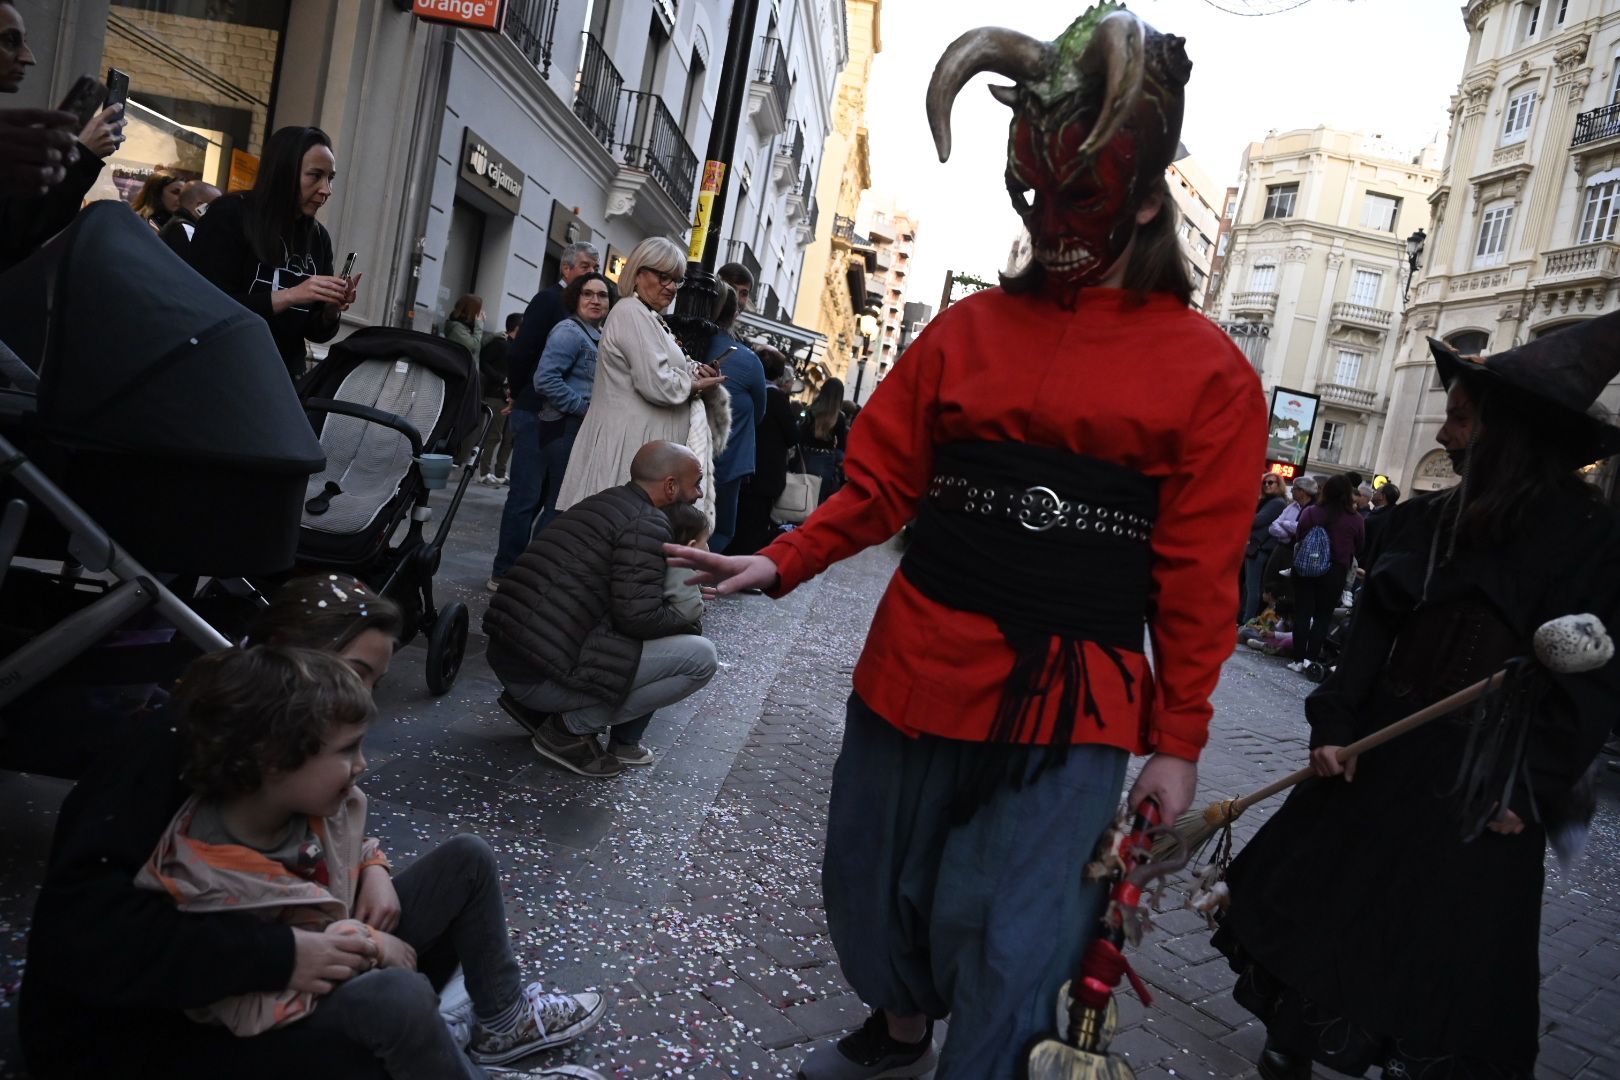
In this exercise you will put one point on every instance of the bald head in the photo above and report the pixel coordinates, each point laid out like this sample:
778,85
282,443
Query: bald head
668,472
198,194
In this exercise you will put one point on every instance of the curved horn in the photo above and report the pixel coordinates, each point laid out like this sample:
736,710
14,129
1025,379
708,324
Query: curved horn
990,48
1118,49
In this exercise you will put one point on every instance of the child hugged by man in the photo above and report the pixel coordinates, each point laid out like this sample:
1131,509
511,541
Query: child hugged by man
277,827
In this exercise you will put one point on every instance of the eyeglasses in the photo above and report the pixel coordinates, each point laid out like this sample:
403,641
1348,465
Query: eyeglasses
676,280
593,294
13,41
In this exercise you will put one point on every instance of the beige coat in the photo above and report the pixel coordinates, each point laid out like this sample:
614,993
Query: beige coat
642,392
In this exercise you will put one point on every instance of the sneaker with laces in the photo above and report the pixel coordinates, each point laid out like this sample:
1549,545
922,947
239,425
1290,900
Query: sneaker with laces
577,753
632,753
548,1020
870,1053
456,1010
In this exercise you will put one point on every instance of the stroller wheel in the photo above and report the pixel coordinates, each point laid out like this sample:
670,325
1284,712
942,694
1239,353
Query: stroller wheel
1316,672
447,644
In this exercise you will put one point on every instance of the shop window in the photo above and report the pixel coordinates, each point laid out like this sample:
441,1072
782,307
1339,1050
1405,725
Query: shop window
202,77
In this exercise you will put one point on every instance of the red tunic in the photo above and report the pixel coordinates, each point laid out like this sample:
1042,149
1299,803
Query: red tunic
1157,388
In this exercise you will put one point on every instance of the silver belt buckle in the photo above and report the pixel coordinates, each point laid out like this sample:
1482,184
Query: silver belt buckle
1051,510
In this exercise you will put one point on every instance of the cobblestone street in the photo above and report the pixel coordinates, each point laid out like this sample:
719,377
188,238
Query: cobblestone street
689,891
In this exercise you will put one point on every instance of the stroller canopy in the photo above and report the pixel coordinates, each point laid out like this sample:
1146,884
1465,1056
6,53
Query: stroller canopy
137,352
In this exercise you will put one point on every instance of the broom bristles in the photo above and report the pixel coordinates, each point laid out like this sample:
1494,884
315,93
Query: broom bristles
1195,829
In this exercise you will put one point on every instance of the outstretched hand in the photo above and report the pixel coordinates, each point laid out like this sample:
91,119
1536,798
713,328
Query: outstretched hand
727,573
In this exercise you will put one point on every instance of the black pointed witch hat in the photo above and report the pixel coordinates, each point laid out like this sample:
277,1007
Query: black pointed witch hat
1562,373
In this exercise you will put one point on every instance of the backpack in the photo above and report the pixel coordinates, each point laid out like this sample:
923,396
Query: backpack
1314,555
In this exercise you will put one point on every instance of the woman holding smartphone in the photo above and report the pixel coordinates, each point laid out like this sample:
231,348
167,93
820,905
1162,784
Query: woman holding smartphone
265,249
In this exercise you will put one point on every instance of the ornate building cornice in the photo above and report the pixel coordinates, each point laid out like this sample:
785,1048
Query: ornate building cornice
1475,11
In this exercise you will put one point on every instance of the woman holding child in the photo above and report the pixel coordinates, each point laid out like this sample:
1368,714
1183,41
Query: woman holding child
252,765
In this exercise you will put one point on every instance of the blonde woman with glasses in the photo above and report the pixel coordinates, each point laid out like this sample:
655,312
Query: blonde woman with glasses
644,385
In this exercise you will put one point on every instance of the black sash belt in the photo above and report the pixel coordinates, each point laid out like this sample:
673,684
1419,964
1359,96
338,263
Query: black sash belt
1053,586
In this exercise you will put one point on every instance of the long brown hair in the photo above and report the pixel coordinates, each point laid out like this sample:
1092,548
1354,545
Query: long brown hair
827,408
1156,264
468,308
149,200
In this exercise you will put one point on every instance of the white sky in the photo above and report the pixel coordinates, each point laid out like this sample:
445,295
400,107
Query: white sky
1379,66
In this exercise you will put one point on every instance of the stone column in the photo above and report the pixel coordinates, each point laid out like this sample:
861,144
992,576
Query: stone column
1315,361
1569,87
1472,99
1288,284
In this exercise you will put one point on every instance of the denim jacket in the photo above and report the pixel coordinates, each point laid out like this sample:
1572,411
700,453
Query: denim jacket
567,369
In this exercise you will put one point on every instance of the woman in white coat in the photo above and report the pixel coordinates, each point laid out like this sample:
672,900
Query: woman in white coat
645,386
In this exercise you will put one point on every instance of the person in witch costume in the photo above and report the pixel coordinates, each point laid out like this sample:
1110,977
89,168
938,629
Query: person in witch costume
1062,509
1388,916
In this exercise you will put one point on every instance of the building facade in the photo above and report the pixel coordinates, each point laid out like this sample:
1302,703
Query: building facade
834,296
1525,212
892,236
1199,225
1314,275
469,158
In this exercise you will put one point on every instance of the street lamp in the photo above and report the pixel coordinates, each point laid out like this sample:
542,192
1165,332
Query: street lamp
1414,256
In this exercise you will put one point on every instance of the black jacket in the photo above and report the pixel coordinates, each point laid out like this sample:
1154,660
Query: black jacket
543,314
108,958
1260,539
576,606
492,366
174,231
28,221
776,437
221,253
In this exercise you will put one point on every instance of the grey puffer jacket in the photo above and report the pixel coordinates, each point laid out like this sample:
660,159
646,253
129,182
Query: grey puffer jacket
576,606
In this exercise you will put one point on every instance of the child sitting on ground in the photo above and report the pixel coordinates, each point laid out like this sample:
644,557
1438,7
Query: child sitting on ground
688,526
272,748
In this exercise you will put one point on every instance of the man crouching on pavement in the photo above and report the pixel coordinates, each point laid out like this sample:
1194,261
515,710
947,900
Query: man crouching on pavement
580,633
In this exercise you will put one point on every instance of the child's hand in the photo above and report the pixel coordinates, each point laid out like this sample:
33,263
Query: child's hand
377,904
322,961
392,952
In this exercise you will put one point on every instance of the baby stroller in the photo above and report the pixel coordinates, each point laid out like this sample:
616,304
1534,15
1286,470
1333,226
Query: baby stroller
148,438
393,407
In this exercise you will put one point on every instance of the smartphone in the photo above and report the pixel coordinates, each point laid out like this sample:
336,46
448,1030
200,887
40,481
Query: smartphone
348,266
85,99
117,87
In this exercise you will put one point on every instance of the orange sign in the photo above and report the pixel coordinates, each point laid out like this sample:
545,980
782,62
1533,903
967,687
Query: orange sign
476,14
1283,469
244,171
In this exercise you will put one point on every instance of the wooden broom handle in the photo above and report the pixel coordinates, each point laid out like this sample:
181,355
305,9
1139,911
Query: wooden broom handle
1452,703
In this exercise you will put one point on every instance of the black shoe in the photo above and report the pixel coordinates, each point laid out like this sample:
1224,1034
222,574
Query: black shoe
531,719
1279,1064
869,1053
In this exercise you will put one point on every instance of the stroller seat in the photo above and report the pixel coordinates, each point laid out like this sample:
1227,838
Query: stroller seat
365,461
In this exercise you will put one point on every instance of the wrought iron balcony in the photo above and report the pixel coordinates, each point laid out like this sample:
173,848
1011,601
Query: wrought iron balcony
773,72
1362,315
1353,396
790,144
1262,303
596,91
738,251
844,228
646,137
1595,124
532,26
815,215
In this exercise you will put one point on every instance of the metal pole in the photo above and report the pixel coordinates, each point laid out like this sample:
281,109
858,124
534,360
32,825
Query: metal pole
694,306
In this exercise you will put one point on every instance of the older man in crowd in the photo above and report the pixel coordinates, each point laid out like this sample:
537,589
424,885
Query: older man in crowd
524,494
581,633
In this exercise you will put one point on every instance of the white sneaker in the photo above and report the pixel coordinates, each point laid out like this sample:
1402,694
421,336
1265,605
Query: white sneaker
497,481
493,584
1298,665
456,1009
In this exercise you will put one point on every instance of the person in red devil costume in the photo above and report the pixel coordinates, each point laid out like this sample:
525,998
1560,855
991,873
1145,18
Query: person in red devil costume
1064,507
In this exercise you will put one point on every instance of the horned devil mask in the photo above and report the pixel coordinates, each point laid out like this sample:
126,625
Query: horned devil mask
1096,121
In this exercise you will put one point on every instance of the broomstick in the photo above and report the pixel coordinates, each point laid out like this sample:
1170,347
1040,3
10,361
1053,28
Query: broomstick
1567,645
